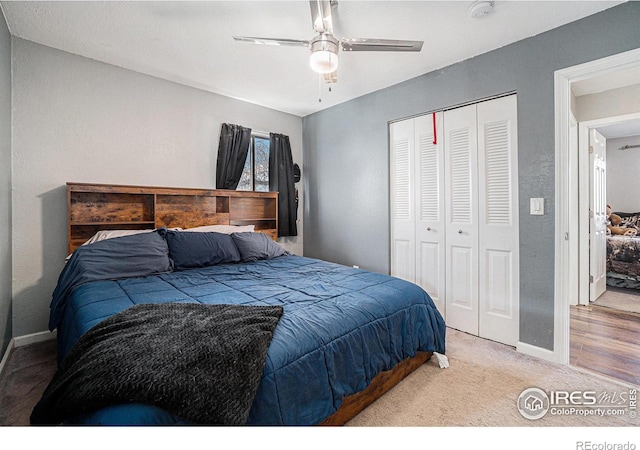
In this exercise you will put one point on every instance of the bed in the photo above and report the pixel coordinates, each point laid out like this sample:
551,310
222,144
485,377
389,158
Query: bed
623,255
315,342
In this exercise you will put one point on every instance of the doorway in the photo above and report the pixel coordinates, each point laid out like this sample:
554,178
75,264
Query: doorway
605,327
608,168
569,238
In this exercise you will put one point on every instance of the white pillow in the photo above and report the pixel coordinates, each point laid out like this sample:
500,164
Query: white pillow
110,234
225,229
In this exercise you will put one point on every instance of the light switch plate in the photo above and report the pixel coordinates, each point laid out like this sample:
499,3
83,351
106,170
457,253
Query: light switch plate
536,206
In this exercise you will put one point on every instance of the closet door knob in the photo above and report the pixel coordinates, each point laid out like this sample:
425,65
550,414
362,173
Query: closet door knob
459,231
428,228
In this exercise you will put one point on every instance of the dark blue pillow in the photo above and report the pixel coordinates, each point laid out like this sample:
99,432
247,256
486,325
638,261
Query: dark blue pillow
255,246
191,249
137,255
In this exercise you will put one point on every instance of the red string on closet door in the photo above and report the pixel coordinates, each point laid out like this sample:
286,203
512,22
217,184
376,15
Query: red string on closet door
435,132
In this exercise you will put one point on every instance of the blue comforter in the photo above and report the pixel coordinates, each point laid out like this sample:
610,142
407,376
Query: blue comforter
340,328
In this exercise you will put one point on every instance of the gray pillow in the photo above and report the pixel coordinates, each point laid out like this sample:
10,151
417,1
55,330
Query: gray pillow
256,246
137,255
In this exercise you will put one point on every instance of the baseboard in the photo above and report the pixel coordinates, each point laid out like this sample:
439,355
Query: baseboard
35,338
7,353
538,352
21,341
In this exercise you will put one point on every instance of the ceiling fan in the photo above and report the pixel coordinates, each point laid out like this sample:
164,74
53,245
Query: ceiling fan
325,46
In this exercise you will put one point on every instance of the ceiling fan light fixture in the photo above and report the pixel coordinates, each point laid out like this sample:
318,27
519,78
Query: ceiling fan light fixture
324,54
323,61
325,46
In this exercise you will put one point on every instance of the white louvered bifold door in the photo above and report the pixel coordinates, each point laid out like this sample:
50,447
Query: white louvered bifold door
454,214
430,229
402,199
461,193
498,220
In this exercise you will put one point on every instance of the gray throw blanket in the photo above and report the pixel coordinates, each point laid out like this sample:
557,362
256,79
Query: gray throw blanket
202,363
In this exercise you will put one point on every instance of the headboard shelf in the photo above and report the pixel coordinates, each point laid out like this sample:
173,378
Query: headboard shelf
94,207
109,222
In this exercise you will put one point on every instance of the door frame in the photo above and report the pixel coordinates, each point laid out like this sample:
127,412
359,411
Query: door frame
567,170
585,186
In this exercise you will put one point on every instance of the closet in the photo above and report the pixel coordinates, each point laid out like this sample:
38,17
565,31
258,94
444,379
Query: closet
454,213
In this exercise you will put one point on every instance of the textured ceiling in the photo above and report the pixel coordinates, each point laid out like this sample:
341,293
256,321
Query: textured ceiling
191,42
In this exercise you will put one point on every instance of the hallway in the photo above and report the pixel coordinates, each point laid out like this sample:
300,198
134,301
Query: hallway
606,341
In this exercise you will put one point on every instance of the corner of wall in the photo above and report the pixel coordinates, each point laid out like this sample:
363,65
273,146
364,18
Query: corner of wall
6,254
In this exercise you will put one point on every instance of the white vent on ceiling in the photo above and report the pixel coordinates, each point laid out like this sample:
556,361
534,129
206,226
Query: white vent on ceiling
480,9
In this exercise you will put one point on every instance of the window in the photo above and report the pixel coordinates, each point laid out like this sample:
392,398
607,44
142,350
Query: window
255,175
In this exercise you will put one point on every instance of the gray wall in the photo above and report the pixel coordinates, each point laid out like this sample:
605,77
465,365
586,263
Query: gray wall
346,151
76,119
5,185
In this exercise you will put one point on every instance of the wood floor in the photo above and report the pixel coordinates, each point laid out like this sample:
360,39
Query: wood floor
603,340
606,341
24,379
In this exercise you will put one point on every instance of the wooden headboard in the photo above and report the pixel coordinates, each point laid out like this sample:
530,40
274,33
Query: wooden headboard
95,207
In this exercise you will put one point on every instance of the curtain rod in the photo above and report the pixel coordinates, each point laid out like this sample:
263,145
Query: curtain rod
260,133
626,147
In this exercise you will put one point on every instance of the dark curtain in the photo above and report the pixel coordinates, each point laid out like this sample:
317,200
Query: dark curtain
232,154
281,179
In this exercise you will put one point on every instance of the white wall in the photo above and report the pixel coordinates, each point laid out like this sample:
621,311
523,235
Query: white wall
5,186
76,119
614,102
623,170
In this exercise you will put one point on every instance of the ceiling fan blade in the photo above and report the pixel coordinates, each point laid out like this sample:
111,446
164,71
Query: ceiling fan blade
272,41
380,45
321,16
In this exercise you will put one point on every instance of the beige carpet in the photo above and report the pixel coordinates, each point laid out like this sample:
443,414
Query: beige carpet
481,388
621,299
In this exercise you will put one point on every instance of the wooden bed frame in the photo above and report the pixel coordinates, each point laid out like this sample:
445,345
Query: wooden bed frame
381,383
96,207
